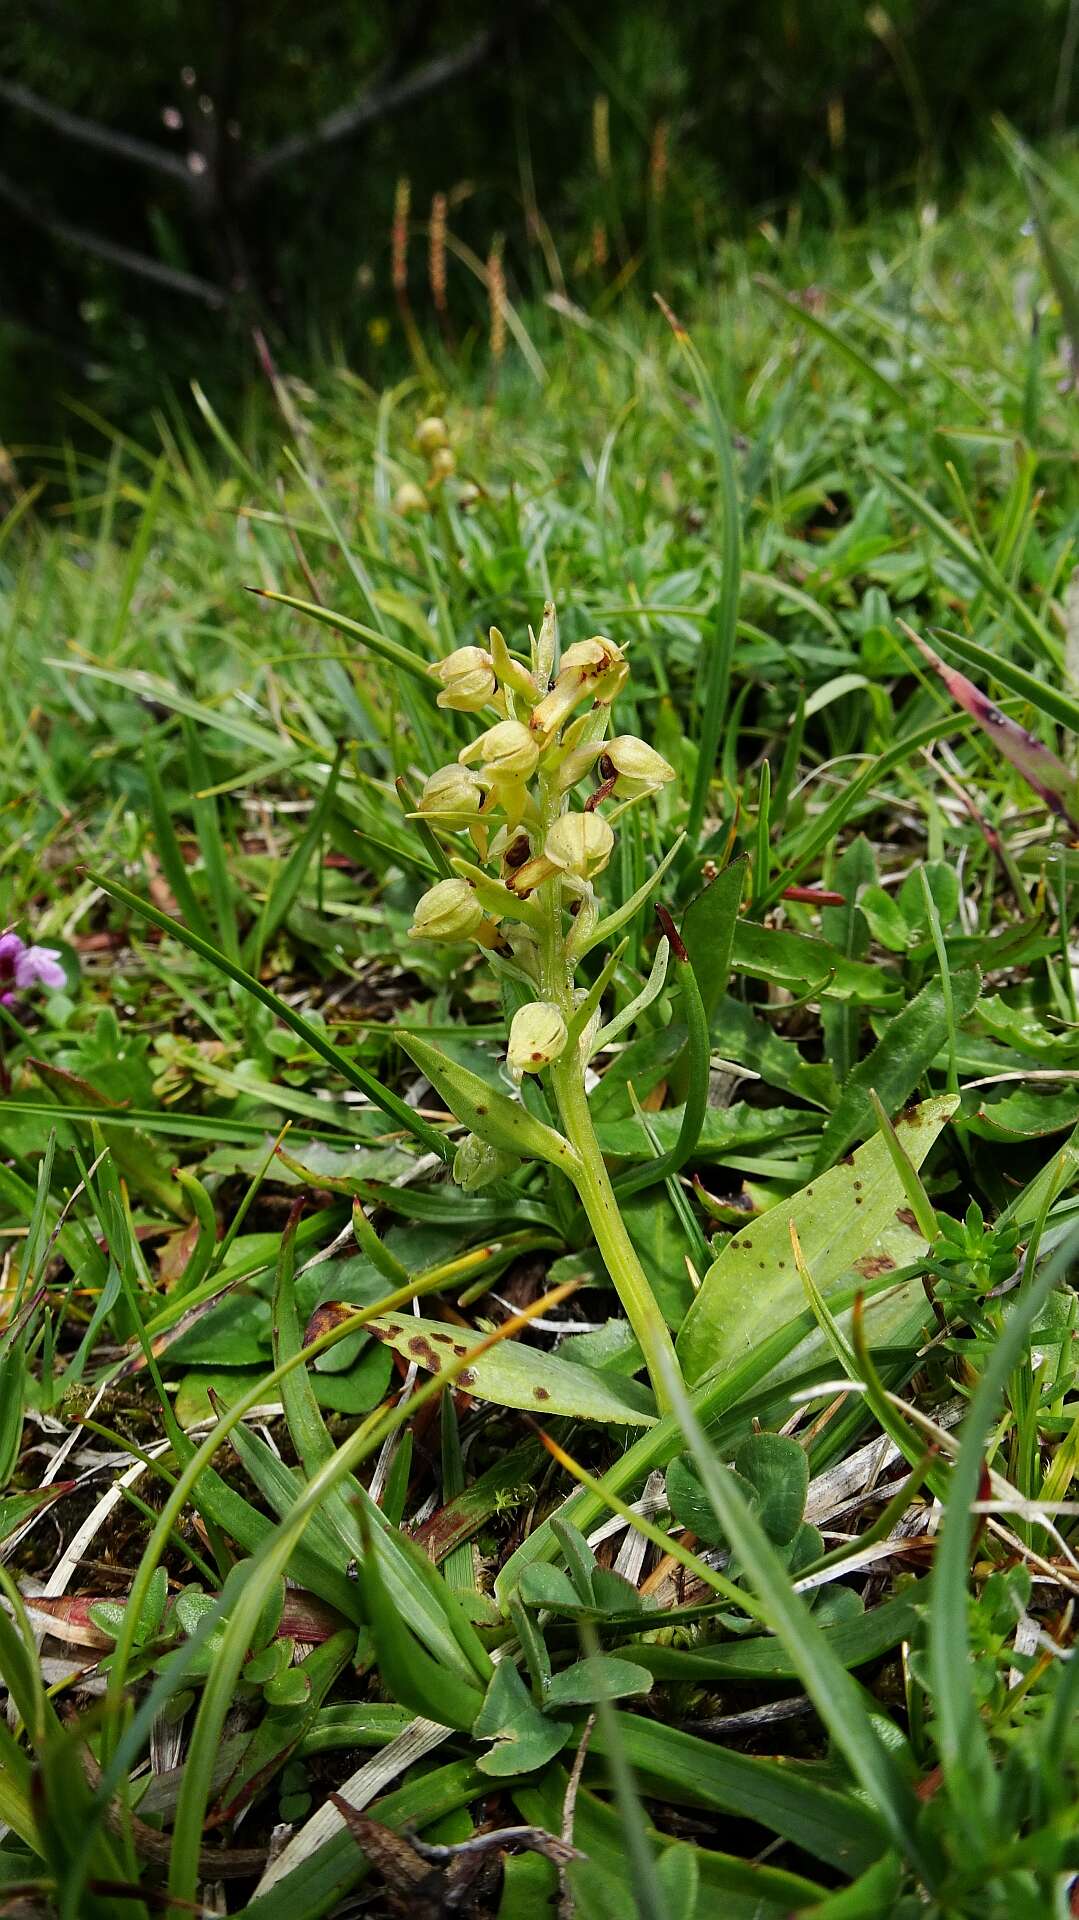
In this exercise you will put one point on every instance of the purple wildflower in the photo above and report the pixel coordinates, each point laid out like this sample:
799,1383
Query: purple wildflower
25,966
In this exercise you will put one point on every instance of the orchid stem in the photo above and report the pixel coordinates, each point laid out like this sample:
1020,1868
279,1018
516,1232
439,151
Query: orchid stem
619,1254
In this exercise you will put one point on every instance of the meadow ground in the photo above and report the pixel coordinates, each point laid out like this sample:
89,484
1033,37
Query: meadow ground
272,1522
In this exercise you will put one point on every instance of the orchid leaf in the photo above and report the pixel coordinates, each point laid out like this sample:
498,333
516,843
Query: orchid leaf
753,1286
511,1375
492,1116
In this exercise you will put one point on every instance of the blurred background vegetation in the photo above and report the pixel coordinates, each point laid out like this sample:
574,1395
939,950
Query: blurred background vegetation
177,174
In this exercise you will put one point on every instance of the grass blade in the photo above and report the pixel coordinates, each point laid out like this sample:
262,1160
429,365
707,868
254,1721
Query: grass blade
355,1075
835,1695
716,663
377,643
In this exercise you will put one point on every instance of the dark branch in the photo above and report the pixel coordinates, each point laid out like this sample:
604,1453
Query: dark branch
123,145
377,104
131,262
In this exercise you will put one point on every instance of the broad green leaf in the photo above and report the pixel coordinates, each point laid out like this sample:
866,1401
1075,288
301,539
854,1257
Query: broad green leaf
529,1887
905,1051
353,1392
547,1586
725,1130
741,1035
524,1737
578,1555
943,883
1020,1112
753,1287
512,1375
773,1472
600,1676
690,1504
800,963
886,920
493,1116
287,1690
708,930
679,1875
876,1891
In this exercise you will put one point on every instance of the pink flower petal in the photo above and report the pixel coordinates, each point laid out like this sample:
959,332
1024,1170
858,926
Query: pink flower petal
11,952
41,965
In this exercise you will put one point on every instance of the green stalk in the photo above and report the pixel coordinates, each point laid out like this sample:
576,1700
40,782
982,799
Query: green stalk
601,1208
590,1176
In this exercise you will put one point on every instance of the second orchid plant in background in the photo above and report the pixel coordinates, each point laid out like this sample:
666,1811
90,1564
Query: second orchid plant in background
525,891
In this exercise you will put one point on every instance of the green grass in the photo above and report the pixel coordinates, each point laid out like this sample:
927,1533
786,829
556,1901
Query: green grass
207,798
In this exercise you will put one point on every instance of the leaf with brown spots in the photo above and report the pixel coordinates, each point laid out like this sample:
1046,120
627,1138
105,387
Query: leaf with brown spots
753,1288
512,1375
493,1116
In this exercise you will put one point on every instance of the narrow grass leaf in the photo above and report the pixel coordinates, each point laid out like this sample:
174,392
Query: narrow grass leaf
290,878
886,389
1049,777
828,1824
173,864
960,1733
380,644
1041,641
920,1204
718,654
1056,704
835,1695
354,1074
